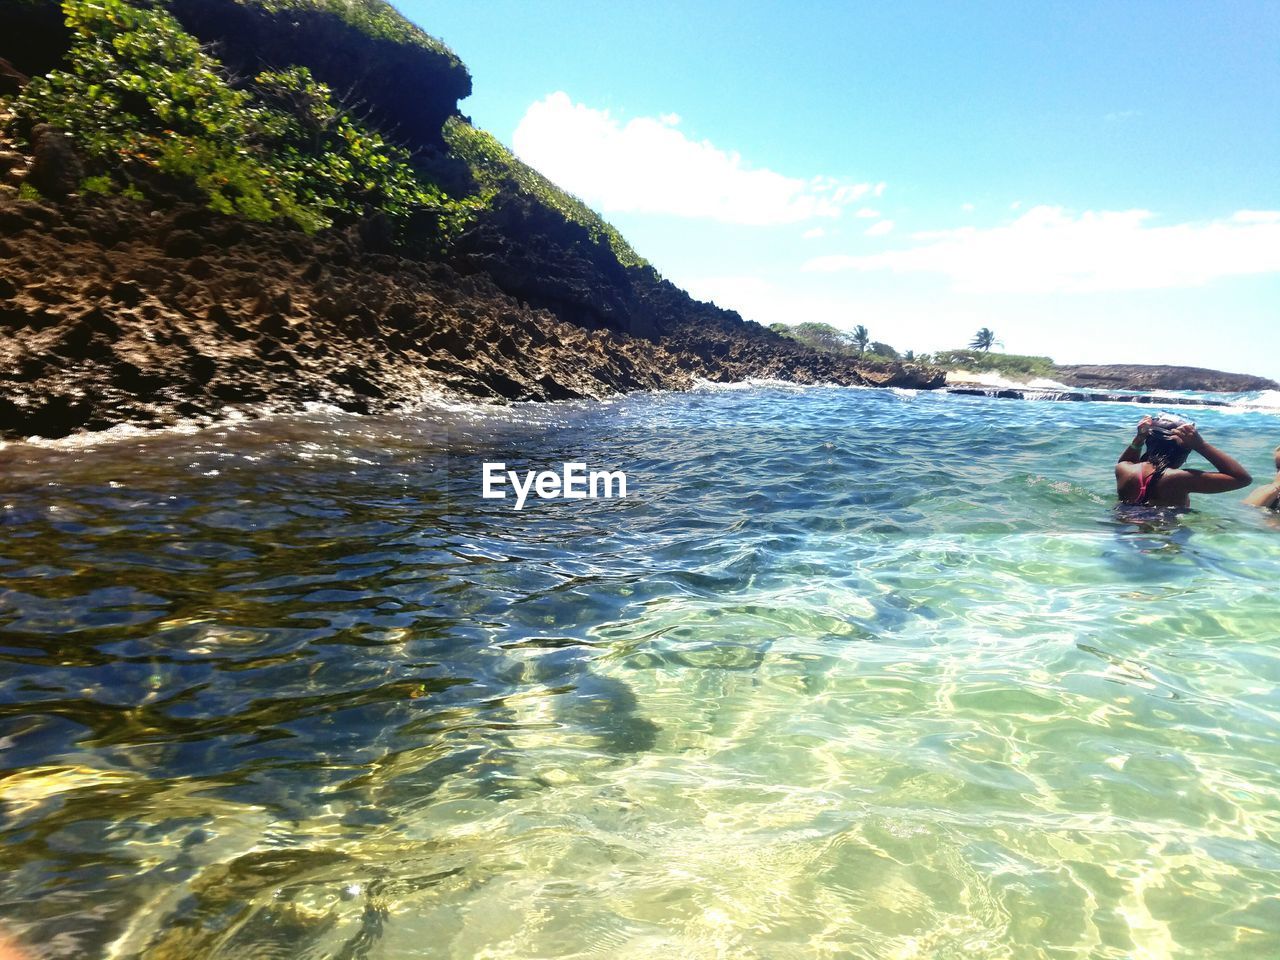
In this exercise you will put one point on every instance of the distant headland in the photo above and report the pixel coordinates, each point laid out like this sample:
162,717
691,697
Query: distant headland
979,366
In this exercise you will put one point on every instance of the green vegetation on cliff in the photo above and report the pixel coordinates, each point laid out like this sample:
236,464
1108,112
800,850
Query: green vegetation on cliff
495,168
140,96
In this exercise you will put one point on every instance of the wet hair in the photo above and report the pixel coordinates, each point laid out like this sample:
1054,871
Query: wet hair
1162,450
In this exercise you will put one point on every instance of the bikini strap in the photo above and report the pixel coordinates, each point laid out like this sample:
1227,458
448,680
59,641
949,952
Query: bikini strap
1146,483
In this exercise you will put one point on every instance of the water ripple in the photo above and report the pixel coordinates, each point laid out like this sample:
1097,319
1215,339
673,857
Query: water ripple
849,674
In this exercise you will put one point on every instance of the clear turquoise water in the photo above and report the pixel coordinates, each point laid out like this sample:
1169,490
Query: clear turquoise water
849,674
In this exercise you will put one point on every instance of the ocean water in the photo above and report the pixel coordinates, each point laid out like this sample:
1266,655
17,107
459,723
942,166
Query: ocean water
848,674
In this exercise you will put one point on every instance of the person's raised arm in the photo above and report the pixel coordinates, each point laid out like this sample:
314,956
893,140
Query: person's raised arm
1229,476
1266,496
1269,495
1133,452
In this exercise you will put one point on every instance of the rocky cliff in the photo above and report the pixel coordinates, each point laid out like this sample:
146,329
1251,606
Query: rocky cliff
115,313
123,298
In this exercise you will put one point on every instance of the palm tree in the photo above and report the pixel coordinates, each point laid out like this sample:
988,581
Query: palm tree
860,338
983,340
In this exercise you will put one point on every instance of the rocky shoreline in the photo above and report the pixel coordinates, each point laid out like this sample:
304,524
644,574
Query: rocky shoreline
118,312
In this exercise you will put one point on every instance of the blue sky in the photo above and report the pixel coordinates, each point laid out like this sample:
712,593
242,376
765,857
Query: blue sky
1094,181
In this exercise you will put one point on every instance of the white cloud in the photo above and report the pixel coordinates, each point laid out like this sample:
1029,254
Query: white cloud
1255,216
648,165
967,207
867,213
814,233
879,229
1050,250
766,302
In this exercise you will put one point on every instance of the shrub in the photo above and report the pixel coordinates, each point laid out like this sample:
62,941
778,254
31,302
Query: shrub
883,350
140,94
824,337
1012,364
100,184
334,163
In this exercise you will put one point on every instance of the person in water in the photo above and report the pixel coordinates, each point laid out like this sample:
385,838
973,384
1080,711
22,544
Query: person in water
1150,469
1269,495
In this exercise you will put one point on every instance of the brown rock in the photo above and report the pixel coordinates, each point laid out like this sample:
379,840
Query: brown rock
183,325
184,244
56,169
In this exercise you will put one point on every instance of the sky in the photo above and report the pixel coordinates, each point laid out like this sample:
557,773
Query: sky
1096,182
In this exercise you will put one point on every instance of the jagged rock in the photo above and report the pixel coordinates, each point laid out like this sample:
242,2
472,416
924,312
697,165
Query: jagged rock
188,311
184,244
12,80
56,170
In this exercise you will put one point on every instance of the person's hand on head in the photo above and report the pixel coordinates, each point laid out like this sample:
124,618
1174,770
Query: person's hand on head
1187,437
1144,428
